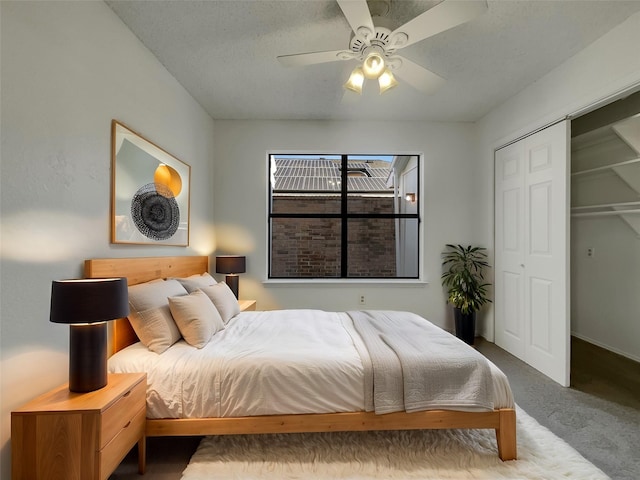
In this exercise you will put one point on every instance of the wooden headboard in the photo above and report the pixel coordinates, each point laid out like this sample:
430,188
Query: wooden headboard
140,270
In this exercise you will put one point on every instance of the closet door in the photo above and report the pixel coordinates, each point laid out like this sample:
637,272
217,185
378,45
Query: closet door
531,251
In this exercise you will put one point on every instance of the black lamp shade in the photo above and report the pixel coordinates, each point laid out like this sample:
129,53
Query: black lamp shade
89,300
87,304
230,264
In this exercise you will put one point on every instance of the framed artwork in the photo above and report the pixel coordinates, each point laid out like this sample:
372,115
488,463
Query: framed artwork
149,191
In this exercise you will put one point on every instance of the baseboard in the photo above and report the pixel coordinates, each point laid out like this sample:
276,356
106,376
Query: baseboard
606,347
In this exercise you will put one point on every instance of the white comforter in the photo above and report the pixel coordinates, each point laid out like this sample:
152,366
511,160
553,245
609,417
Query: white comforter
264,363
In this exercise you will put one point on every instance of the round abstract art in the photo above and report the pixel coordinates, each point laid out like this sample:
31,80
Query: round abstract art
155,211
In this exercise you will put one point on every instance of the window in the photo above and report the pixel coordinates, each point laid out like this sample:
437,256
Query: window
343,216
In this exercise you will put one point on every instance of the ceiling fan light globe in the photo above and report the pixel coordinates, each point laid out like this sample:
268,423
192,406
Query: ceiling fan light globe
356,80
373,66
386,81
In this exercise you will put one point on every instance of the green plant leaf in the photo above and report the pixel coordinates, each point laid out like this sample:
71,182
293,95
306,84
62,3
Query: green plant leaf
463,276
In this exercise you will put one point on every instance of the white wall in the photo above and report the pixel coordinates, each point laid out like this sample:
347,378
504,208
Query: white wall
604,294
68,68
608,66
448,197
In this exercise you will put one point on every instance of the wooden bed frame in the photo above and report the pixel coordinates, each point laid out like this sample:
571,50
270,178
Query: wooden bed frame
139,270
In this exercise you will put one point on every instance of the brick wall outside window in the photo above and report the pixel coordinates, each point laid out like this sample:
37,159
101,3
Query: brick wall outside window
310,247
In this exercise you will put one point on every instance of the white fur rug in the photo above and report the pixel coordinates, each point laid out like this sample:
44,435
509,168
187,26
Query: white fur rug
435,454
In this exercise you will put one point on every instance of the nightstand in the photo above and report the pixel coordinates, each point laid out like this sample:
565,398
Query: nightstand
80,436
246,305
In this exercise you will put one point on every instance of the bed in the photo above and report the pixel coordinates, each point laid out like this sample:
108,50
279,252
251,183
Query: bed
198,421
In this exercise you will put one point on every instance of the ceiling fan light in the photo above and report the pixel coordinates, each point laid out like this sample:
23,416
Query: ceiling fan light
356,80
373,65
386,81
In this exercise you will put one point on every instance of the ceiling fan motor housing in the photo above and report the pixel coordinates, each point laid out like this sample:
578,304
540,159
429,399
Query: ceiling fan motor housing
381,41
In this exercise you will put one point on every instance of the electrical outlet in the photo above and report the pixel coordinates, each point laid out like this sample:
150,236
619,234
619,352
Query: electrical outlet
591,252
363,300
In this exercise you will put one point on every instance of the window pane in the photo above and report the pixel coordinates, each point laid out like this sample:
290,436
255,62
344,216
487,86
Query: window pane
305,247
383,248
370,203
284,203
408,248
310,205
368,187
305,183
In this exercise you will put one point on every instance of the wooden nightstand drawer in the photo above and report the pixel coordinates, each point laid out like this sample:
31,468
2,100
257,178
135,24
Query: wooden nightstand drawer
121,412
63,435
111,455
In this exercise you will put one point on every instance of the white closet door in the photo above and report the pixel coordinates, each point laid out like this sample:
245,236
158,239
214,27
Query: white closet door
531,251
509,250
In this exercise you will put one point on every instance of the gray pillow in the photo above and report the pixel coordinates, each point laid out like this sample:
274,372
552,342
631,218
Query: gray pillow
196,317
194,282
223,298
150,316
155,328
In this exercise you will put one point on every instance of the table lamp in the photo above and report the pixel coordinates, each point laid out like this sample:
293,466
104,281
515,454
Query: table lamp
231,265
86,305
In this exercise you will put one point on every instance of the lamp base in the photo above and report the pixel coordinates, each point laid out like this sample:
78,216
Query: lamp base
233,281
87,357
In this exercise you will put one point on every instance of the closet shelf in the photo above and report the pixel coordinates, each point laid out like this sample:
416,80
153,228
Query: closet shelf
606,167
604,209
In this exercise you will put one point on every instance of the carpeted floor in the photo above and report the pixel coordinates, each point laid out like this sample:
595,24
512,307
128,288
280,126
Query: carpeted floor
605,429
604,426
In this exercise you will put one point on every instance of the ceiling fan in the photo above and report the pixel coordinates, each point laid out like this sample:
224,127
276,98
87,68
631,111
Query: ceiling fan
375,45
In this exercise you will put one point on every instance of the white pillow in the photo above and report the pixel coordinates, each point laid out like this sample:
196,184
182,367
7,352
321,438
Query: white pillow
155,328
223,298
196,317
153,294
194,282
150,316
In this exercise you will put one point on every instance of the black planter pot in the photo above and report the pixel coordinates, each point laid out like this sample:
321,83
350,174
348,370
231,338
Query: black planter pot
465,325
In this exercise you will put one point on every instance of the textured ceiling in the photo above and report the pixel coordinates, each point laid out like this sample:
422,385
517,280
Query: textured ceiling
224,53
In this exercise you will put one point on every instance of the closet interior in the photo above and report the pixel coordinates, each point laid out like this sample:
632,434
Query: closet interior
605,243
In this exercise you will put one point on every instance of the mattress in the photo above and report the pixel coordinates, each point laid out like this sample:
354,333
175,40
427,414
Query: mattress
265,363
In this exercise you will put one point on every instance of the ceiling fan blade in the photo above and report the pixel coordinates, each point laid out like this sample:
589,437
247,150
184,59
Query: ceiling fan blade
357,14
443,16
418,77
302,59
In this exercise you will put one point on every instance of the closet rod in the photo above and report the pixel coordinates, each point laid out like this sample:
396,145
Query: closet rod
604,214
605,205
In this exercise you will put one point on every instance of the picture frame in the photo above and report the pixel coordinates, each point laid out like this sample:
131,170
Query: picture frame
150,191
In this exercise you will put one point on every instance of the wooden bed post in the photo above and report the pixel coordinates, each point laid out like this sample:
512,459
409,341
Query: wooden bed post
506,435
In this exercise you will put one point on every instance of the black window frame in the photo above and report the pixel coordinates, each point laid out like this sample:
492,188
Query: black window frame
344,216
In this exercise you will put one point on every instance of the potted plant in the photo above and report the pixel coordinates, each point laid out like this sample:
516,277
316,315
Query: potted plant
463,277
